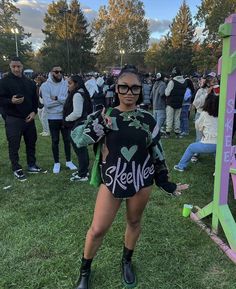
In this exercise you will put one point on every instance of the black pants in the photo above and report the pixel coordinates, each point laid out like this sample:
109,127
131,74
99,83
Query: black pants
15,129
83,158
56,126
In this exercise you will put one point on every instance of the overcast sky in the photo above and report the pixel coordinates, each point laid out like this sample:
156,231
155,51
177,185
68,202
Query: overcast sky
160,14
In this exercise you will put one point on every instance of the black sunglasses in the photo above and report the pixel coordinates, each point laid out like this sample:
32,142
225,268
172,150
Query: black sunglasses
124,88
57,71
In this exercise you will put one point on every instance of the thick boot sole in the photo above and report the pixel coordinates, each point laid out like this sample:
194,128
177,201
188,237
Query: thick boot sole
89,282
126,285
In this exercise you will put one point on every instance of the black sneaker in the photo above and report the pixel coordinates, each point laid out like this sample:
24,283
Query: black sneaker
19,174
35,169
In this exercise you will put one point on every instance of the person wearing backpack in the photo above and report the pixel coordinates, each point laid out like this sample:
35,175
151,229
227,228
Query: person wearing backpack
77,107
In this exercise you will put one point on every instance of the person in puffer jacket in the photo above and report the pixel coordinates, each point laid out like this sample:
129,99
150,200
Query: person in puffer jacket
174,92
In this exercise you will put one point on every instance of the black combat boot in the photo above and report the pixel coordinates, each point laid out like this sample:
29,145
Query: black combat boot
85,271
128,275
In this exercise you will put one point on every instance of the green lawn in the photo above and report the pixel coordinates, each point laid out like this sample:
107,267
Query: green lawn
43,223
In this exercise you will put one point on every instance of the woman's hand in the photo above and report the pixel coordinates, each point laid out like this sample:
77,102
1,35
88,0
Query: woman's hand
180,187
106,118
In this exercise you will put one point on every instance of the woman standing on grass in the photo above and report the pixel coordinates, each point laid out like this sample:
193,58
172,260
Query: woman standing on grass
132,157
76,109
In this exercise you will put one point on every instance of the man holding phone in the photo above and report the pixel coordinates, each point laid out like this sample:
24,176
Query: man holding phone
19,101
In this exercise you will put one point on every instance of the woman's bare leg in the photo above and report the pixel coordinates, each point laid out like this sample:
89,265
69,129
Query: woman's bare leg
135,207
105,211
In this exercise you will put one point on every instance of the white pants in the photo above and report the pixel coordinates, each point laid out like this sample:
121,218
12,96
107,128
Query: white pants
173,119
43,119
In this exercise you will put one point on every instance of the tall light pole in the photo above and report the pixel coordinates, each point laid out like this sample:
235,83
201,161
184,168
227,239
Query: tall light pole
15,31
122,52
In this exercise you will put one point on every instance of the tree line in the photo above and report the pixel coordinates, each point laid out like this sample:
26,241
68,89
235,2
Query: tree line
119,34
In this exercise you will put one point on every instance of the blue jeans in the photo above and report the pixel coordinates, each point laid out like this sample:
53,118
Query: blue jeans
160,116
184,121
196,147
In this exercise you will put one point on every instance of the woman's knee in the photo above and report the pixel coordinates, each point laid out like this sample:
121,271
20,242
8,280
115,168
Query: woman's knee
97,232
192,148
134,223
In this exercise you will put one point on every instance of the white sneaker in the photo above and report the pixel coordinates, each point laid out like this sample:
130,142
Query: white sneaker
44,133
71,166
56,168
78,179
77,172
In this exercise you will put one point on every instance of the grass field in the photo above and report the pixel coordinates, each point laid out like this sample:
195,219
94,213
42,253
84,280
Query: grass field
43,223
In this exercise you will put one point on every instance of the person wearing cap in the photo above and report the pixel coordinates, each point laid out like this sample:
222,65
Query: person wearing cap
174,92
159,99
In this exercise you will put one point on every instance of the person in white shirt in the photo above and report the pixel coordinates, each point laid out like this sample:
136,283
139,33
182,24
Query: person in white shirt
207,124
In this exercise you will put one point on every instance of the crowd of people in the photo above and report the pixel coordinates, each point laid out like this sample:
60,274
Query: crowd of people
144,109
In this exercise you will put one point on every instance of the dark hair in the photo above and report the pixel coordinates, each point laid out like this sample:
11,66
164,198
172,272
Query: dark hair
211,104
127,69
87,105
189,85
56,65
175,72
207,82
15,58
78,80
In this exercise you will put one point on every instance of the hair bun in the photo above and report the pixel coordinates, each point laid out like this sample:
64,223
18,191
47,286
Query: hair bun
129,67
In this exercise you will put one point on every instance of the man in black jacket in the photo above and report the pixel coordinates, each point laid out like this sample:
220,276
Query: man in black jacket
19,100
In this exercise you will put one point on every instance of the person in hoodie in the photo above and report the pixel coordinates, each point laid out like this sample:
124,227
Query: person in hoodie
54,92
174,92
19,100
159,99
92,87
